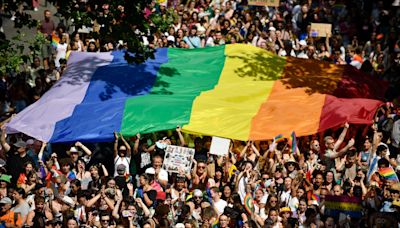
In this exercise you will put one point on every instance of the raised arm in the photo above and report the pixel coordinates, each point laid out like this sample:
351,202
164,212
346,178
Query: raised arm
255,149
84,148
242,153
105,171
342,136
3,141
115,144
181,138
136,145
128,147
142,205
327,45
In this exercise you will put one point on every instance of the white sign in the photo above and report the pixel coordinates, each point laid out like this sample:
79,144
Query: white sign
219,146
177,157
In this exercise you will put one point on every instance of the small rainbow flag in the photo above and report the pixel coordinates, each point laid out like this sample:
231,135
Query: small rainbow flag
215,223
388,173
293,142
55,40
248,203
313,196
279,138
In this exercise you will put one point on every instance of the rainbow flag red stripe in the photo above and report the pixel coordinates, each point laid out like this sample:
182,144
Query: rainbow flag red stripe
248,203
279,138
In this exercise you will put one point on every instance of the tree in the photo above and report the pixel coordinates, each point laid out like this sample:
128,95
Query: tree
118,20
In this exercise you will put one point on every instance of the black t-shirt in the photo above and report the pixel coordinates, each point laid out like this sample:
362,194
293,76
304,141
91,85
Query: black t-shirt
16,164
152,194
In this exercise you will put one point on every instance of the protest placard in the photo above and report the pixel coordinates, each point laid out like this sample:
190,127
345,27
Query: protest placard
177,157
219,146
263,2
335,205
321,29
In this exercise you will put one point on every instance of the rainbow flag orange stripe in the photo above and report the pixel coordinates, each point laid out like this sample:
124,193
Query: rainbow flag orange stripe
248,203
388,173
234,91
55,40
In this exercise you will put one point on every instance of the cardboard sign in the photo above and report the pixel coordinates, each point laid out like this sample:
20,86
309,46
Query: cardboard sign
219,146
336,205
321,29
177,157
263,3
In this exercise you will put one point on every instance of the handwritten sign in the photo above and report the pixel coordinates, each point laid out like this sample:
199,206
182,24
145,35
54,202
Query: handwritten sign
219,146
321,29
177,157
264,3
336,205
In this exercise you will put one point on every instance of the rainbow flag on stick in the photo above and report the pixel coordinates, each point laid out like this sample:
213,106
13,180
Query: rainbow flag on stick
55,40
279,138
293,142
248,203
234,91
389,174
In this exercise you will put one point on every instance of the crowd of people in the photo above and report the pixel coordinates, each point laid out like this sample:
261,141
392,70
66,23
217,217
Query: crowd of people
256,184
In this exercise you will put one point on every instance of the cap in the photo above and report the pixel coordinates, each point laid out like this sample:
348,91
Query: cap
272,29
303,43
179,225
6,200
30,141
171,38
5,178
20,143
197,193
150,170
68,200
121,167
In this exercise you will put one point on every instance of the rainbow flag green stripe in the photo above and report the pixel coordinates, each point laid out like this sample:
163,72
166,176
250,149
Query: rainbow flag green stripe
234,91
179,81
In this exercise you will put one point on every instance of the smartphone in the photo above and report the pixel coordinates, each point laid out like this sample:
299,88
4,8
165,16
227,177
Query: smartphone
126,213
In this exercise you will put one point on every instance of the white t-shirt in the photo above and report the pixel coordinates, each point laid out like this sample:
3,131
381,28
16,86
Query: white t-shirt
163,175
121,160
220,206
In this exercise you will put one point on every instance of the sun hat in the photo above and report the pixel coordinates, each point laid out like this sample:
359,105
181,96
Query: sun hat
73,149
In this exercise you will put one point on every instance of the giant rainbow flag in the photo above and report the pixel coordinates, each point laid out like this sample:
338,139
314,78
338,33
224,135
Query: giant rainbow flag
233,91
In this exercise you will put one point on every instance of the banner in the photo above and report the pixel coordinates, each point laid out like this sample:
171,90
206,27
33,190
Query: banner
219,146
334,205
321,29
177,157
263,2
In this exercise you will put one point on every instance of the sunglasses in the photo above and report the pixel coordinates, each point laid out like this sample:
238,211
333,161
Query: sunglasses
201,167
